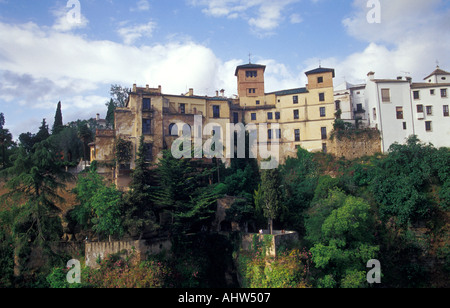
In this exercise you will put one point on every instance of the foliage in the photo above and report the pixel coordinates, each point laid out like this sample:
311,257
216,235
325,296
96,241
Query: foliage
185,192
110,114
290,270
6,141
269,195
100,206
139,210
341,230
400,182
58,123
299,179
119,95
123,151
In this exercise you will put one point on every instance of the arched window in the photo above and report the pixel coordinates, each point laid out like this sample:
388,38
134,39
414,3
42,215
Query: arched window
173,129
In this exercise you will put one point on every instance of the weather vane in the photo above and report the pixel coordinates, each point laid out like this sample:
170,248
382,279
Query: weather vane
250,58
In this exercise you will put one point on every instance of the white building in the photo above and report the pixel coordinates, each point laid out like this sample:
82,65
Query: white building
400,108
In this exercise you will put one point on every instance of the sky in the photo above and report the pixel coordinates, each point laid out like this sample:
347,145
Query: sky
73,50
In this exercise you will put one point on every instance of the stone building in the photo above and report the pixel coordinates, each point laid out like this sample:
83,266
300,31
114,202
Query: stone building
303,117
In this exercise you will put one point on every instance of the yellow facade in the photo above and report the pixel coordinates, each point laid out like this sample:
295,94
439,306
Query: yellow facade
305,115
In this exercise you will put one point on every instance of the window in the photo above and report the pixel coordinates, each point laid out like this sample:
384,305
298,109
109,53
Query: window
359,108
278,134
148,152
337,105
216,112
432,92
443,78
428,126
416,94
321,97
323,131
277,115
269,133
296,115
297,135
399,111
146,104
443,93
319,79
253,116
404,125
446,113
251,91
385,95
173,130
235,117
146,126
295,99
251,74
270,116
322,112
419,108
429,110
258,102
182,108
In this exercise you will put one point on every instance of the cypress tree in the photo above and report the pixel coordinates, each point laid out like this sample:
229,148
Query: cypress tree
58,124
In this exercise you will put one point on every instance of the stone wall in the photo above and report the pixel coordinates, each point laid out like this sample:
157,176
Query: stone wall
354,144
272,242
141,249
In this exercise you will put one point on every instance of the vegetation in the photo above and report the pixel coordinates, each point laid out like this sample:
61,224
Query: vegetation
393,208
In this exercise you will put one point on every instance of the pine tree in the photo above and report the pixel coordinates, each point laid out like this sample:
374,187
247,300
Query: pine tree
268,196
58,124
110,114
140,215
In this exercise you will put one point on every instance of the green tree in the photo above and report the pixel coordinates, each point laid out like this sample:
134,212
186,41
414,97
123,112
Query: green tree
5,141
110,114
58,124
35,180
185,193
107,208
269,196
400,181
298,182
119,95
341,230
140,215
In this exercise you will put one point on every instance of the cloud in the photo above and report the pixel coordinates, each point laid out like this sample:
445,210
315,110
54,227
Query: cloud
133,33
141,6
69,18
263,16
411,36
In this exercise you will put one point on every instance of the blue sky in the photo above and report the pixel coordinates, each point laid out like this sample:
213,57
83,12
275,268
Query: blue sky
182,44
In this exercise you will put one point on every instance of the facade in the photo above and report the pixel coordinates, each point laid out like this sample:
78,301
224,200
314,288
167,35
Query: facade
304,117
400,108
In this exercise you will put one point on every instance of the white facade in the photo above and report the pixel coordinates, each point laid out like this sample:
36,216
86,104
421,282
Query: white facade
400,108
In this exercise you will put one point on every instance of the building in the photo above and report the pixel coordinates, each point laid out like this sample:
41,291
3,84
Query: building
400,108
300,117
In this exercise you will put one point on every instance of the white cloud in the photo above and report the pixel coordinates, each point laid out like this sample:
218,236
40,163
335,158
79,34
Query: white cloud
133,33
412,35
141,6
261,15
68,19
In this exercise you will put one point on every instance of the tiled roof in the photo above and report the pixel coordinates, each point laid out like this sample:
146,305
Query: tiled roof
321,70
437,71
249,66
289,92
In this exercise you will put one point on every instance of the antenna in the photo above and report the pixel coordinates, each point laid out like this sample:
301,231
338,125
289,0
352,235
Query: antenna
437,63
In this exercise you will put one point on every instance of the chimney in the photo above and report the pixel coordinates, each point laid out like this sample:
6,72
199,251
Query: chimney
222,92
147,87
134,87
399,78
371,75
191,92
98,116
217,93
